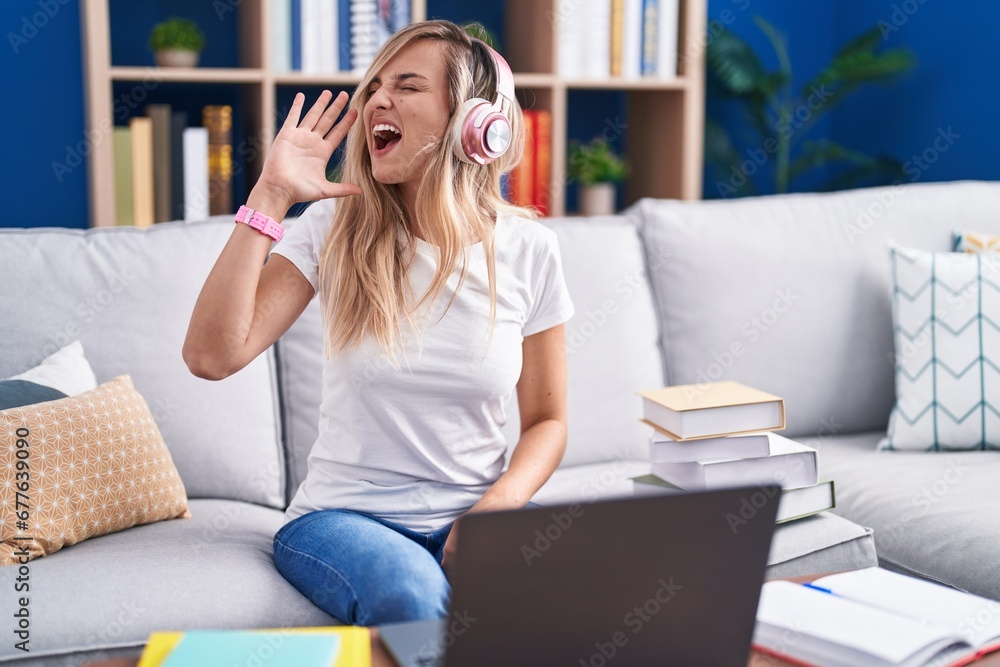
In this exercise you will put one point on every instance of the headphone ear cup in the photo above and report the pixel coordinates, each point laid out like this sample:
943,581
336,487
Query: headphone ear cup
467,139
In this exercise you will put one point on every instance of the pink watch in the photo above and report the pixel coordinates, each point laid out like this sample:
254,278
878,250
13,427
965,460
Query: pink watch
262,223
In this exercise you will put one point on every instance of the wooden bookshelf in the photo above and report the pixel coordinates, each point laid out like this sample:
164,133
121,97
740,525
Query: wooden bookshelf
667,113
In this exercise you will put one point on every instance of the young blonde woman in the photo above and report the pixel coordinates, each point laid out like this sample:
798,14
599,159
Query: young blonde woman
439,300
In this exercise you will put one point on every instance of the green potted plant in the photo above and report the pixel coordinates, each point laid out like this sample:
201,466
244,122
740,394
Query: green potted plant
176,42
596,168
778,117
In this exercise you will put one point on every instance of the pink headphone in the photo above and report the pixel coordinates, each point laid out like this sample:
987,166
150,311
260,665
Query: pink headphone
483,132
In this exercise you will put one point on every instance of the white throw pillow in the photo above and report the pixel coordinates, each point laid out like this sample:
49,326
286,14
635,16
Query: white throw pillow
946,314
66,370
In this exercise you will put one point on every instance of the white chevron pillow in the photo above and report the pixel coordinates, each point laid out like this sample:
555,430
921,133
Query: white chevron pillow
946,313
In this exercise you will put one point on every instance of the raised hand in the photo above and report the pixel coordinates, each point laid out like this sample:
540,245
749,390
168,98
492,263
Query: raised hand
295,167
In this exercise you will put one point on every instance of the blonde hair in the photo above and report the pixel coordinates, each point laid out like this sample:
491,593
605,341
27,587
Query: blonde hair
362,269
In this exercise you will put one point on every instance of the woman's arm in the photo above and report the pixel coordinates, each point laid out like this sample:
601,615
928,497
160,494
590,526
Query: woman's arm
245,304
541,397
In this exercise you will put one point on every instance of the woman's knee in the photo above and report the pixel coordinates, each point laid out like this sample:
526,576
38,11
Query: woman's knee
412,594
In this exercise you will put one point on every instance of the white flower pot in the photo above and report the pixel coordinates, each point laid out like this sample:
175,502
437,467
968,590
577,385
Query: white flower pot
597,199
177,58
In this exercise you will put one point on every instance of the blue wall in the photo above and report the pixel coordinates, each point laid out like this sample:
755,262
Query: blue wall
955,85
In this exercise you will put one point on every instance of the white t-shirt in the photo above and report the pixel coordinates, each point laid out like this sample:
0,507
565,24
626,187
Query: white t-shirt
418,446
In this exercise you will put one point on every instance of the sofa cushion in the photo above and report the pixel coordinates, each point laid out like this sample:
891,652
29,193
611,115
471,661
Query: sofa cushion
215,570
87,465
611,341
966,240
127,294
946,310
66,370
933,516
822,543
791,293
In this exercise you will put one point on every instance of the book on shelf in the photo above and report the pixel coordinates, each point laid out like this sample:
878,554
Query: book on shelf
664,449
160,115
788,464
178,123
352,646
875,617
281,35
667,39
529,181
542,141
795,503
712,409
141,129
196,194
122,136
218,120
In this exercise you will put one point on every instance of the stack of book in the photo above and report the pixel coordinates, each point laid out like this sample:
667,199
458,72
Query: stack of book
598,39
329,36
721,434
528,184
163,168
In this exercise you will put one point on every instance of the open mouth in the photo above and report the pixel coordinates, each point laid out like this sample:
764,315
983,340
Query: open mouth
385,137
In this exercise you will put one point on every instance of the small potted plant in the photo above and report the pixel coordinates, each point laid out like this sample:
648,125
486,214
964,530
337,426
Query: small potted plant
597,169
176,42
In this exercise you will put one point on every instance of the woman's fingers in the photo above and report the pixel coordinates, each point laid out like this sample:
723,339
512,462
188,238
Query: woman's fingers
292,119
339,131
331,114
314,113
341,190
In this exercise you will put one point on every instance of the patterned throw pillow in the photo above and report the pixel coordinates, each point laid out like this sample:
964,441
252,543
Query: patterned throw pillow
82,466
964,240
946,312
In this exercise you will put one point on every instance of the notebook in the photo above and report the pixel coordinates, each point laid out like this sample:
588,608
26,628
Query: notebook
875,617
199,648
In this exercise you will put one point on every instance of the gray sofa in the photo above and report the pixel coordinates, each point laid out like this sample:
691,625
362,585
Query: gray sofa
662,294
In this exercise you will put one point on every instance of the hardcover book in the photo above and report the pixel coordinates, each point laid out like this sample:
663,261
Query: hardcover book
711,409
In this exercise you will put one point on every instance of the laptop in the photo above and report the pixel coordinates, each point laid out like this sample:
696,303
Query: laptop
639,581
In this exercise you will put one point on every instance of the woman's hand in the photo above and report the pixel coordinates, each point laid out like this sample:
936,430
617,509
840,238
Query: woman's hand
295,167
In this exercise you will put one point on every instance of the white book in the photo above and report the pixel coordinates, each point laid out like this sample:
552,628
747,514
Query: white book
632,42
329,55
711,409
875,617
311,35
569,24
281,35
196,194
796,503
664,449
789,464
666,64
364,34
596,42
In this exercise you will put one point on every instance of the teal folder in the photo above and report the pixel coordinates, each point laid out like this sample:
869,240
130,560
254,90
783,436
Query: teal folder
229,648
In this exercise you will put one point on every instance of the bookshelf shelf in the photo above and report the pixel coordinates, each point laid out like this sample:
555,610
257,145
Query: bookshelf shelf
668,114
193,75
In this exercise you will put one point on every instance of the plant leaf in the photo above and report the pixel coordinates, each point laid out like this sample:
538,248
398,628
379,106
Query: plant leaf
865,42
734,63
816,154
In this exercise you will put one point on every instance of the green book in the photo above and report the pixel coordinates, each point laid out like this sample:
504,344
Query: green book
236,647
123,175
796,503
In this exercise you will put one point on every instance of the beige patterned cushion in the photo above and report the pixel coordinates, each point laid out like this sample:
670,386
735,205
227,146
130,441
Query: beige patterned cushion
80,467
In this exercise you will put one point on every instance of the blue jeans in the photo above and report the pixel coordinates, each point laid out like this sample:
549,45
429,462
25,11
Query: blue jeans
363,570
